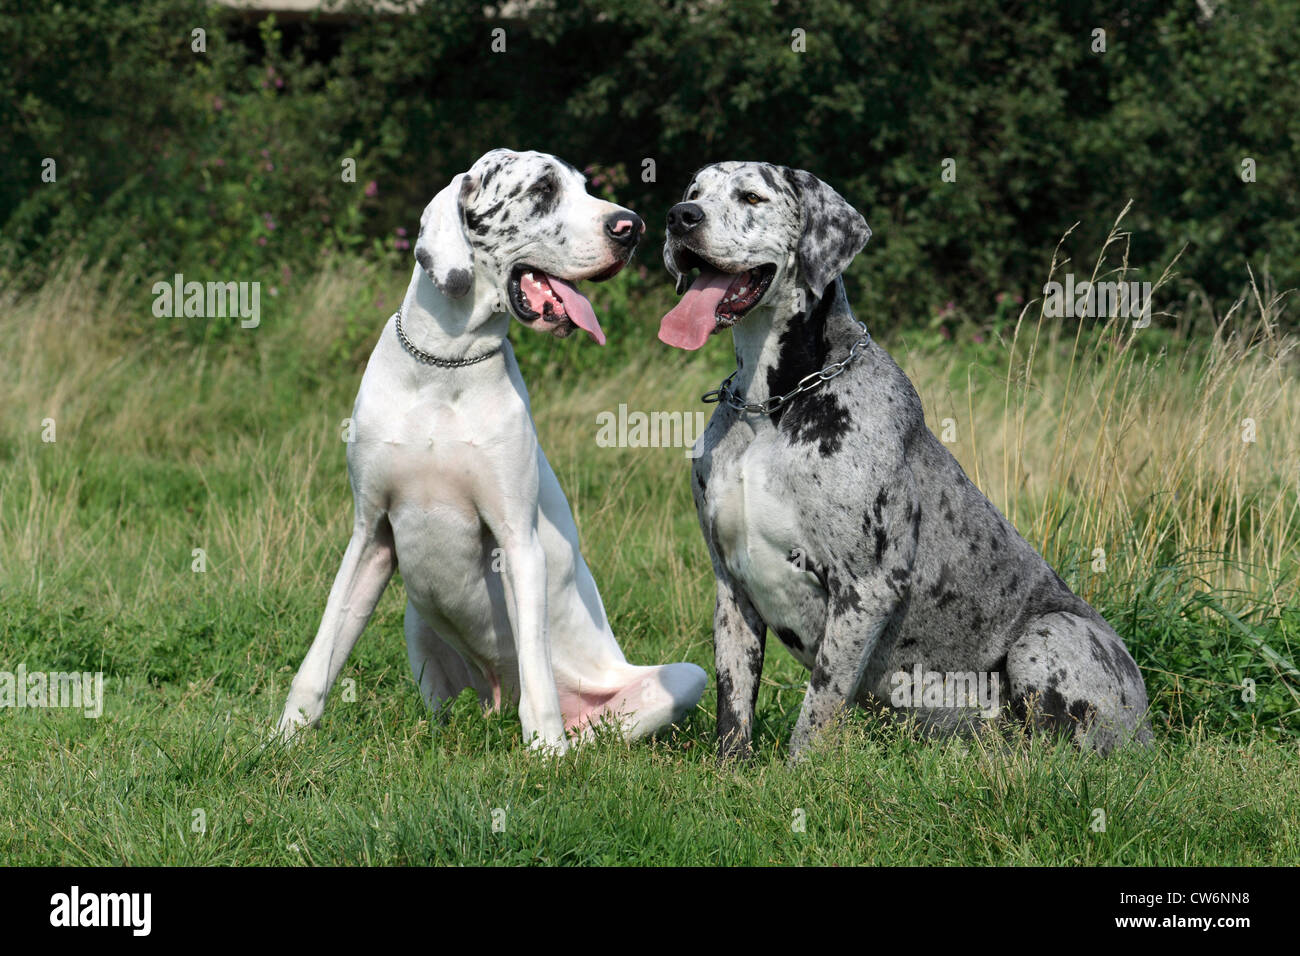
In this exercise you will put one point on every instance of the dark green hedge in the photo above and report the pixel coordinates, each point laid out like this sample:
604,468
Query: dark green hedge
228,162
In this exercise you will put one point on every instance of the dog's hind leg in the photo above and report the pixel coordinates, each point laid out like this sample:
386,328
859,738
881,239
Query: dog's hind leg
439,670
367,566
1074,675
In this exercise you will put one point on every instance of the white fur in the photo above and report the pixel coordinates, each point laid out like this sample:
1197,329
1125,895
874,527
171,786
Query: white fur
450,482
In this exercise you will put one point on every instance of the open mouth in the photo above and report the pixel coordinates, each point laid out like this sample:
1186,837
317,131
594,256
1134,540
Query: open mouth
716,300
538,297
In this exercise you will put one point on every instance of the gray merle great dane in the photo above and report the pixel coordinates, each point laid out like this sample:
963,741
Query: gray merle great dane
450,483
836,519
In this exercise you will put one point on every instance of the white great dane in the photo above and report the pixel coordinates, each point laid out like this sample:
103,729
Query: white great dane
450,483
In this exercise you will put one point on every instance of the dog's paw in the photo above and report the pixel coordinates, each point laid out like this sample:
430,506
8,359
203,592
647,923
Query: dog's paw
289,730
549,748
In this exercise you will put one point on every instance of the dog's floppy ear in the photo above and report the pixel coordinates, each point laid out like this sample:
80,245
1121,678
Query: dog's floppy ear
832,231
442,250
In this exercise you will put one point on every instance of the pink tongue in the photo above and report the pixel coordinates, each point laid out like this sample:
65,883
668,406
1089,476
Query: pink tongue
578,308
689,325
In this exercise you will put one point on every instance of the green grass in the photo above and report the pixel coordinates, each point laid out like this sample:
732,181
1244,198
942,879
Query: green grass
234,448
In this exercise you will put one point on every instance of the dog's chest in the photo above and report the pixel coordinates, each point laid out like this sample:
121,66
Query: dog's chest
757,527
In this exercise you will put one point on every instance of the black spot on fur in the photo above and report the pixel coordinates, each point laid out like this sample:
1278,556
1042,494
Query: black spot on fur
1080,711
1113,660
802,351
545,203
477,223
844,598
941,582
818,419
789,638
881,543
458,282
424,258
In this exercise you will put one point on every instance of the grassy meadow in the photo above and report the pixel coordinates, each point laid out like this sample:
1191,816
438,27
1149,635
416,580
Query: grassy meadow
1119,453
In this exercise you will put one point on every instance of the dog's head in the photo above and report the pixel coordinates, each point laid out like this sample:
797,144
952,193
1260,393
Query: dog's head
524,224
758,234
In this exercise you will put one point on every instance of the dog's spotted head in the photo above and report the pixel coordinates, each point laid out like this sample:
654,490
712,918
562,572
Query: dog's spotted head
758,234
524,224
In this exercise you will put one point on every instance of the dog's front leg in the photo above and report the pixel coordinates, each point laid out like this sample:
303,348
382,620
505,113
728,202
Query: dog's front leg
868,584
367,565
738,640
539,699
846,646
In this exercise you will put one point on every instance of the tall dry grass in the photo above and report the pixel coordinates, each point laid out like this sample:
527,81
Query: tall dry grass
1085,439
1089,438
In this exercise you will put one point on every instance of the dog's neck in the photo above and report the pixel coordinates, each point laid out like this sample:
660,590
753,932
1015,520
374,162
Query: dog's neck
777,347
453,328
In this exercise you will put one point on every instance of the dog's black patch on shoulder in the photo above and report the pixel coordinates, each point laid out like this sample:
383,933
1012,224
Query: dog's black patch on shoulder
821,420
817,418
801,351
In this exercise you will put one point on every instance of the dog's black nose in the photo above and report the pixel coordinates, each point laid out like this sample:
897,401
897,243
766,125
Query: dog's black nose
624,227
684,217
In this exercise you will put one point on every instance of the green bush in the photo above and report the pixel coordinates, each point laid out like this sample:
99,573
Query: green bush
227,163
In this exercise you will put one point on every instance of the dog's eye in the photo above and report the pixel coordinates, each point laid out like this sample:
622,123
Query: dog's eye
753,198
545,187
693,195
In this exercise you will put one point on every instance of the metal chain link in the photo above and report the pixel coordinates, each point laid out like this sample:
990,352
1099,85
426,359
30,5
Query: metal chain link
726,394
428,359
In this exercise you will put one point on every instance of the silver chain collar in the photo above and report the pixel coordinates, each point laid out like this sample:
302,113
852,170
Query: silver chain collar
421,356
726,394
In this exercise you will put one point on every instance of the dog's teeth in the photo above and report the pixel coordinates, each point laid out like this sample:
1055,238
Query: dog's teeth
743,290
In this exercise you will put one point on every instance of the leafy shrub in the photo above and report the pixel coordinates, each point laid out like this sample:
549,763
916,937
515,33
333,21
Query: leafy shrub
228,162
